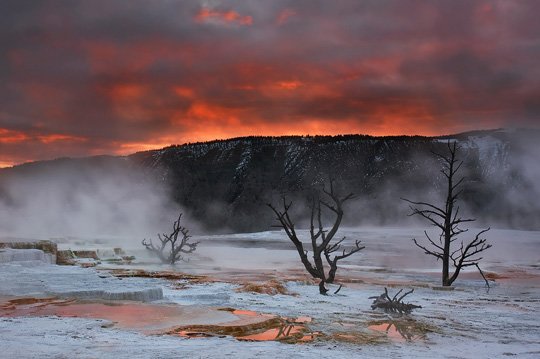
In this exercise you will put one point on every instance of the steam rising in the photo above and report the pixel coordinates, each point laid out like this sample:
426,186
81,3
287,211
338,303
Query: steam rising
93,198
124,197
500,189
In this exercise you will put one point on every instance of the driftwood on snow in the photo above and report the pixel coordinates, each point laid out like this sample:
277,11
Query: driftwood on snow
394,304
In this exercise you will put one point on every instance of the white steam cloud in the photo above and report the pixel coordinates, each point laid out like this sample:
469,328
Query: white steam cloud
96,199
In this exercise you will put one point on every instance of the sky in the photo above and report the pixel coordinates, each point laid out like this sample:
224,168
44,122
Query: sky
81,78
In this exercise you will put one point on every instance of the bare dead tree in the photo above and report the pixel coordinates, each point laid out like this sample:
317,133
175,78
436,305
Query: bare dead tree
394,304
321,238
172,247
448,220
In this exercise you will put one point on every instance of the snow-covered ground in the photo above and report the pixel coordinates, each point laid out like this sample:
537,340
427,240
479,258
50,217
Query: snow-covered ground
468,322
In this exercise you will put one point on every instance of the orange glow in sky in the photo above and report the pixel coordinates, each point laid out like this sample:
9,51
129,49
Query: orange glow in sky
82,79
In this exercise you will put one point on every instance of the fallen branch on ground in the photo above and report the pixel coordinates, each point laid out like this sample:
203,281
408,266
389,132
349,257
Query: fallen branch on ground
394,304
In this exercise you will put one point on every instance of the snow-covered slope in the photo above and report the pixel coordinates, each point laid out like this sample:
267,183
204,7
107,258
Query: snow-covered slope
230,181
226,184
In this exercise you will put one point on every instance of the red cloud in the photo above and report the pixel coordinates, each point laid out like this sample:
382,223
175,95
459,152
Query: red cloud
230,17
11,137
284,16
340,68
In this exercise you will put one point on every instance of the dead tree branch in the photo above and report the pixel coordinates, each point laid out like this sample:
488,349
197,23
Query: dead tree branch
394,304
321,236
448,220
172,247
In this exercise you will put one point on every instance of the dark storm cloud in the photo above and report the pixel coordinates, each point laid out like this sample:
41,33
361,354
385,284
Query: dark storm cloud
85,77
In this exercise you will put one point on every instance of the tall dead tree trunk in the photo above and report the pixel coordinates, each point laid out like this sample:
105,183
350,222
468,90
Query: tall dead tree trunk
447,219
172,248
321,238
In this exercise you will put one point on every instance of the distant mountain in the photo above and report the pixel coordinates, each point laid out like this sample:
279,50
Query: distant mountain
226,184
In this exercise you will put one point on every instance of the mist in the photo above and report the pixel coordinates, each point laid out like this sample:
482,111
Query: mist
500,188
130,198
84,198
520,187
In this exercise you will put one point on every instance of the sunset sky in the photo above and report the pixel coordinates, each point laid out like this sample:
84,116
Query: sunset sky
117,76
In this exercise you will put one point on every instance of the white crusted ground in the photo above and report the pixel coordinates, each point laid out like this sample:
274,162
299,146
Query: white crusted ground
38,279
8,255
469,322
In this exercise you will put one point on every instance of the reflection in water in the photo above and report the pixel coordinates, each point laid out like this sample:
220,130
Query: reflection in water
245,312
283,332
258,326
274,329
129,315
400,331
250,313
